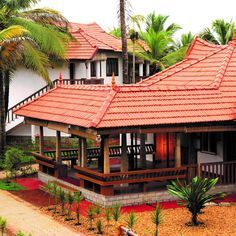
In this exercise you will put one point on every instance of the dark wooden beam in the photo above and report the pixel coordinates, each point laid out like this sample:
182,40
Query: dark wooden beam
58,147
41,140
124,157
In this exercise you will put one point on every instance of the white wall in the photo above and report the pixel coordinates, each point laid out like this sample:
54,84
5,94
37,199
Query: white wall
25,82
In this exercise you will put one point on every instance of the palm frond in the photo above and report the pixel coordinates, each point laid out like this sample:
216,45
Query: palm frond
12,32
17,4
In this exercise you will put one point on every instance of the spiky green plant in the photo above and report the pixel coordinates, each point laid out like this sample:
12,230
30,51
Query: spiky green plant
78,197
3,225
131,220
99,226
116,212
55,195
62,197
91,214
48,188
97,209
70,200
194,195
156,218
108,216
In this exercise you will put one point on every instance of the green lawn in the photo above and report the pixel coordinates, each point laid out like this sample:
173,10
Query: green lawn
10,186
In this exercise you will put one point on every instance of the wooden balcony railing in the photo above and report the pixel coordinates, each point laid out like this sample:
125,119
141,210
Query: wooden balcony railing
11,116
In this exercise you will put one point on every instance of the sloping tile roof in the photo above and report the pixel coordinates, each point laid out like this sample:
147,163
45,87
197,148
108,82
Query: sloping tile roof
198,89
89,39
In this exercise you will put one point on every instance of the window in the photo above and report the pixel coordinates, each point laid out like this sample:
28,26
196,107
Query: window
209,142
93,68
112,66
72,70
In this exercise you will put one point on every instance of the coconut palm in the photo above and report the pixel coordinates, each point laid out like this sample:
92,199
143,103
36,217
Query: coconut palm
115,31
158,24
29,37
122,16
221,32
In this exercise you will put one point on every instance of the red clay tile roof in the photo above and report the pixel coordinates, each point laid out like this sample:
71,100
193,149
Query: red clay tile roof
198,89
89,39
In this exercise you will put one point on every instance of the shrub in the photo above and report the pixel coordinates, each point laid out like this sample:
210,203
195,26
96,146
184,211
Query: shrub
99,226
48,188
116,213
194,196
97,209
3,225
70,200
132,219
77,199
91,217
156,218
62,197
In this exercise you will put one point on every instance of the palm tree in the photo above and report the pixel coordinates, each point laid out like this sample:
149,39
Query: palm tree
221,32
122,16
29,37
78,197
156,218
115,31
158,24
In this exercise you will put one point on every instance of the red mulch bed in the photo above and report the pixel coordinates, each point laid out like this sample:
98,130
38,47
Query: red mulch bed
39,198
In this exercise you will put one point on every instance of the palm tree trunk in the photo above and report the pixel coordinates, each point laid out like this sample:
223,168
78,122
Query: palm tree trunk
124,42
7,87
2,115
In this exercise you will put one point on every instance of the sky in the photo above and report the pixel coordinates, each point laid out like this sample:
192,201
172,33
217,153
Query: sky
191,15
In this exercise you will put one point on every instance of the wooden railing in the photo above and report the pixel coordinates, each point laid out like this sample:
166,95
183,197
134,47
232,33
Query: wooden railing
11,116
137,176
94,153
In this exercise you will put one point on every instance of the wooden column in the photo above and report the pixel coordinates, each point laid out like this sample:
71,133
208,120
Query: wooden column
177,150
83,152
192,153
167,151
143,151
124,157
58,147
41,140
106,167
79,150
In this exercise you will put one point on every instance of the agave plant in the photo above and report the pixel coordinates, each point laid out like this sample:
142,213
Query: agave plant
194,196
78,197
156,218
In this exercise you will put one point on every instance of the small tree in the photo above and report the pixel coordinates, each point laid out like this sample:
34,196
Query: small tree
108,218
194,196
116,213
70,200
97,209
78,197
55,194
156,218
132,219
62,197
99,226
48,188
91,217
3,225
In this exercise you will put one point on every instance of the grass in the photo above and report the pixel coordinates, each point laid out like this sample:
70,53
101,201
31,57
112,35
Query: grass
10,186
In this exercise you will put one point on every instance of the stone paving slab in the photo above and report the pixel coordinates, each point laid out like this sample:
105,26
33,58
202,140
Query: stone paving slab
23,216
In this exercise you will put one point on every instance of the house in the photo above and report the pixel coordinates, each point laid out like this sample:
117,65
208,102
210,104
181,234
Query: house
189,110
92,57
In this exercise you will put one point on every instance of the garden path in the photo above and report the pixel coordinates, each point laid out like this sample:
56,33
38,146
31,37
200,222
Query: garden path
23,216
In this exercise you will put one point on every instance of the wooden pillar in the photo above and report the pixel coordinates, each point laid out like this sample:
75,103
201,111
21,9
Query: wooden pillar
79,150
124,157
58,147
143,151
177,150
167,151
83,152
101,158
106,167
192,153
41,140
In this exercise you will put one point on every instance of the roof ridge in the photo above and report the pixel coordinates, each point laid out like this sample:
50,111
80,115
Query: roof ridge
101,40
95,122
223,67
80,31
192,63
